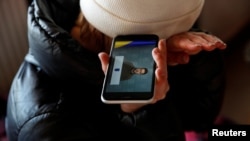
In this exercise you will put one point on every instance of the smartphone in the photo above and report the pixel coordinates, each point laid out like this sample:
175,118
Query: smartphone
130,76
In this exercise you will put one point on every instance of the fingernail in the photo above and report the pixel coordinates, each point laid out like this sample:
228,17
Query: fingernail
156,51
221,44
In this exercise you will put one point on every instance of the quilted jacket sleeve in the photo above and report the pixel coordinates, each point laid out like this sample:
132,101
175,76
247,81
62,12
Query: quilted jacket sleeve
52,47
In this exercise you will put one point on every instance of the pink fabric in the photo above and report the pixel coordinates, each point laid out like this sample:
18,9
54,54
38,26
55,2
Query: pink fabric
194,136
2,131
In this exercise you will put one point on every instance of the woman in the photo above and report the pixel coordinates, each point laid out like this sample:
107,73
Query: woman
56,92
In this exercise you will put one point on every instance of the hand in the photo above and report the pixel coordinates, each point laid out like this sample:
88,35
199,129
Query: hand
181,46
161,84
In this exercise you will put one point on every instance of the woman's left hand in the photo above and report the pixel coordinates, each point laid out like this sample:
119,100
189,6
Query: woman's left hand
182,45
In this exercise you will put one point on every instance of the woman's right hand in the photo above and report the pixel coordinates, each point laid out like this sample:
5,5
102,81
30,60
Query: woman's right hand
161,83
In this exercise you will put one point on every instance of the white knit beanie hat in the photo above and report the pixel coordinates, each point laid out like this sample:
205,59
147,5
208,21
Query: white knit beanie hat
161,17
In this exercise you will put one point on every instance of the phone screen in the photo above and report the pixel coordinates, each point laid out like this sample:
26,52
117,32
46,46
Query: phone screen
131,68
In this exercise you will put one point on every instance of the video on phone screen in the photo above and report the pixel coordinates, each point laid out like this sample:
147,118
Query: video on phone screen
132,67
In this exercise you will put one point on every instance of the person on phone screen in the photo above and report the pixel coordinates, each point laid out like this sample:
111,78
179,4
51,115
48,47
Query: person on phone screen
128,70
139,71
55,95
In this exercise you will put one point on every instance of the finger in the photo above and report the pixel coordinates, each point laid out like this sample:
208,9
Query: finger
221,45
162,85
212,41
183,43
162,48
159,54
218,43
104,58
202,40
209,38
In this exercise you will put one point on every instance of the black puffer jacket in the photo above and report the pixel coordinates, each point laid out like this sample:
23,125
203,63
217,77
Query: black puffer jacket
55,95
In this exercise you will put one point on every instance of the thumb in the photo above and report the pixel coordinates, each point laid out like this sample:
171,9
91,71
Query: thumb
104,58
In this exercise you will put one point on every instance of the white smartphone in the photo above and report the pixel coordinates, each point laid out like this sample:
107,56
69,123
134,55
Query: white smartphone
130,76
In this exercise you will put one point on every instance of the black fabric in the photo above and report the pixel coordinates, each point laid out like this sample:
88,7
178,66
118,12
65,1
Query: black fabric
202,88
55,95
3,104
